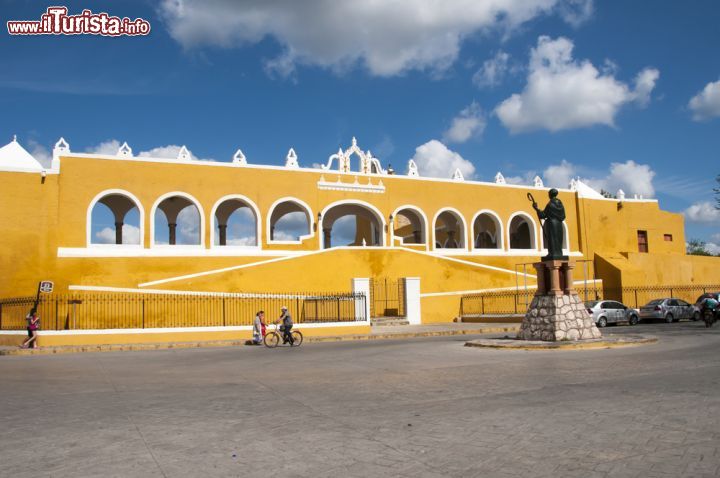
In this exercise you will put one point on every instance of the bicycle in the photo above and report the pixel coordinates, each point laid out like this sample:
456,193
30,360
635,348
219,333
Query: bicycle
273,337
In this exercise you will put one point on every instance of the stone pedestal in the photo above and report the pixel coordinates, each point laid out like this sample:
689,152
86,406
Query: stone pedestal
556,312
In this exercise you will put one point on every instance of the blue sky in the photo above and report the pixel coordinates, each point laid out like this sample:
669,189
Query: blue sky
597,83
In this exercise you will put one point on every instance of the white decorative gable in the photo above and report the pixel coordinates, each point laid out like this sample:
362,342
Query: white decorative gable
458,175
184,154
291,161
413,169
538,182
239,158
368,164
124,151
499,178
620,194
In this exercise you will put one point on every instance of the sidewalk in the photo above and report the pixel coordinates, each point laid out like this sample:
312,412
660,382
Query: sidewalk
377,333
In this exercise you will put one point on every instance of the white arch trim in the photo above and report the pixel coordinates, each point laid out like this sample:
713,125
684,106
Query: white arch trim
190,198
534,236
302,204
256,211
108,192
422,215
464,223
499,225
355,202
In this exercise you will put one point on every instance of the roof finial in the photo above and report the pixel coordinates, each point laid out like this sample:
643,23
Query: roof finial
14,138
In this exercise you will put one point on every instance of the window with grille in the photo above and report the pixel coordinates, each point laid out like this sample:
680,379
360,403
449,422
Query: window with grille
642,241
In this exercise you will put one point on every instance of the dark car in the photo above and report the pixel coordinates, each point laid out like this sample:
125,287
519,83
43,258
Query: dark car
670,309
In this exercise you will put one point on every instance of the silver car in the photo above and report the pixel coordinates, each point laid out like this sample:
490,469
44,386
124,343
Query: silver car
669,309
611,312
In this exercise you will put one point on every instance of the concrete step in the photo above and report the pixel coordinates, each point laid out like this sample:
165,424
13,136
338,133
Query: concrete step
389,321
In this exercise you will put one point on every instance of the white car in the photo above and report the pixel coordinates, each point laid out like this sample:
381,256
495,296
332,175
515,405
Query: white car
611,312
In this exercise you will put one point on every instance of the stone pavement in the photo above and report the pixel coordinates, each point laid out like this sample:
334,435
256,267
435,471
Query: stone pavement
414,407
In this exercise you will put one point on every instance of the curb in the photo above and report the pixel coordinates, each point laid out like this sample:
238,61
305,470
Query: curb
234,343
535,346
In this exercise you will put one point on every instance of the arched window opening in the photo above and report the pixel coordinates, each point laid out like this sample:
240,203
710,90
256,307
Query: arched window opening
409,225
235,222
487,232
351,225
115,219
289,222
179,224
449,231
522,235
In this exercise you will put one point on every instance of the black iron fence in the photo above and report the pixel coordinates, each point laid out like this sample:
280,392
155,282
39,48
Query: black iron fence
124,310
516,301
387,297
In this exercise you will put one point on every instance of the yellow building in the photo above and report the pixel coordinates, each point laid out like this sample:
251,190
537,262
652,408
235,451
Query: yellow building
173,228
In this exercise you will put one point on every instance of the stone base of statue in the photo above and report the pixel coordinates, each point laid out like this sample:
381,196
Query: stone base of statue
556,312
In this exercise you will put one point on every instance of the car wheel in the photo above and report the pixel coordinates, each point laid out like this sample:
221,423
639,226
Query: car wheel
669,318
696,316
602,322
633,320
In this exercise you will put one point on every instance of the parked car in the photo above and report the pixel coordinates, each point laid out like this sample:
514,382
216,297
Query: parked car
698,303
611,312
670,309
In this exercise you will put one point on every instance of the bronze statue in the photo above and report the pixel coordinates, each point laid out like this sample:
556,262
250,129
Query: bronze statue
554,215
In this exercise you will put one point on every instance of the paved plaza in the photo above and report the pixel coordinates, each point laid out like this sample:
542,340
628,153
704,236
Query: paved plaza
414,407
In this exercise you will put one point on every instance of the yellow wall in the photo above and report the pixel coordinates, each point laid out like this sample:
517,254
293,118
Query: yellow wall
38,218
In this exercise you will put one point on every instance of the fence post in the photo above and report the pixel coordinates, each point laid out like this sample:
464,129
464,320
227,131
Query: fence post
338,309
482,305
636,303
223,310
297,308
57,311
671,294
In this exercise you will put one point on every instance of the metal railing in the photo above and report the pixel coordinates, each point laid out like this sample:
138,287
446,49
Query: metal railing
516,301
124,310
387,297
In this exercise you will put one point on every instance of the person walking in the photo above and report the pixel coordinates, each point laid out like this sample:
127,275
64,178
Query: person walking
709,310
259,328
287,325
33,324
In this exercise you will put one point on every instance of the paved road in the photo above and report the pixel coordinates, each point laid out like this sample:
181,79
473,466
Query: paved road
423,407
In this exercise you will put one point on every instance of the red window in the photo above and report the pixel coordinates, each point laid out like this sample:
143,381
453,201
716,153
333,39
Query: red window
642,241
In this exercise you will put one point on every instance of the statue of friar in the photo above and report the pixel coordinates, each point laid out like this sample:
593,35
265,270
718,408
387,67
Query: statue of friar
554,215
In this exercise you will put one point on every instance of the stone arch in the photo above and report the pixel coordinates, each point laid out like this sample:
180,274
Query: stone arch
487,231
178,205
522,232
281,212
449,229
119,204
369,223
235,222
410,224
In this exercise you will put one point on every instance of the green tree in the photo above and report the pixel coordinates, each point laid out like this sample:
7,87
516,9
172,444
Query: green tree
696,247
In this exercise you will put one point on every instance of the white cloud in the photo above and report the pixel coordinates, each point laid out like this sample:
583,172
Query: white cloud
388,38
40,153
559,175
169,152
576,12
130,235
492,71
712,248
469,123
106,148
631,177
716,237
434,159
562,93
703,212
188,226
706,104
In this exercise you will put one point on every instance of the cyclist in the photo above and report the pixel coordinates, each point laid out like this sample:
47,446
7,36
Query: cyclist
709,310
286,326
